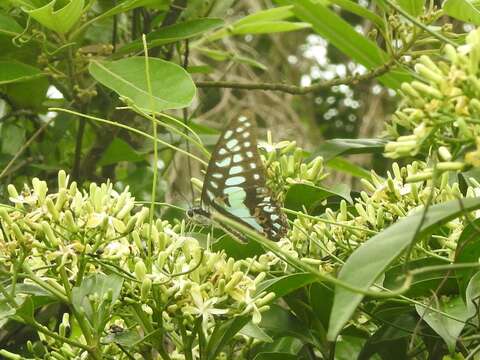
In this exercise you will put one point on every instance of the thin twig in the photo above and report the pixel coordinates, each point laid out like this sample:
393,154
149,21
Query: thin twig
299,90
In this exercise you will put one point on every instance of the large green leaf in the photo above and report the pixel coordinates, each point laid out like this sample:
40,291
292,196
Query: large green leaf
413,7
119,150
223,333
60,20
310,196
343,165
172,86
449,329
268,27
174,33
8,26
343,36
468,251
371,259
14,71
107,289
463,10
284,285
335,147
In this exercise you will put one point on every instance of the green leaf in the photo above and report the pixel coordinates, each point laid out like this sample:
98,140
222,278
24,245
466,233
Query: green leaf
223,333
14,71
473,294
279,322
12,138
218,55
423,284
119,150
268,27
361,11
255,332
8,26
344,37
172,86
321,300
285,285
391,340
360,271
60,20
467,251
343,165
273,14
275,356
335,147
449,329
174,33
463,10
106,289
413,7
310,196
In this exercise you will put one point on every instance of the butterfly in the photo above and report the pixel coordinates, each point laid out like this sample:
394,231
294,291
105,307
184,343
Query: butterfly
235,183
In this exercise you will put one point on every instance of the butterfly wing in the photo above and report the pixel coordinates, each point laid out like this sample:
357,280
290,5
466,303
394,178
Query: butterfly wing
235,181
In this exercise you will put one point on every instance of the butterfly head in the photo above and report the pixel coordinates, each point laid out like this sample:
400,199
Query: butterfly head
199,215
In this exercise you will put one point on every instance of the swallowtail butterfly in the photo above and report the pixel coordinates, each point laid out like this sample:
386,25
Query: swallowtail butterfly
235,183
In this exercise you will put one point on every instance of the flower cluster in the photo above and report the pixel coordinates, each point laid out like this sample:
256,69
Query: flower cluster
382,202
79,233
287,164
439,113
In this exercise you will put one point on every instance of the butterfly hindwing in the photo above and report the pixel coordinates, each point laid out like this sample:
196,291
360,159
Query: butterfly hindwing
235,181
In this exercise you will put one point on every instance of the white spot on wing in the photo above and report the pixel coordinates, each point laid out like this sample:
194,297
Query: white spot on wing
245,134
231,143
228,134
235,170
236,180
217,175
237,158
249,154
224,163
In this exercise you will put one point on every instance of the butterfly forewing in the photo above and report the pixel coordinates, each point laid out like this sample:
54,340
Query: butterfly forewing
235,181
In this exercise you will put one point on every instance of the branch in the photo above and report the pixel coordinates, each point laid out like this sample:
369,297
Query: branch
299,90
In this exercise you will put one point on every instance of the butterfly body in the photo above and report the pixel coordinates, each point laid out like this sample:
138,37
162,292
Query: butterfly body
235,182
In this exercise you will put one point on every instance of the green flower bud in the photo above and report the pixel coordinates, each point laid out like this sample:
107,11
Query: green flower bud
140,270
52,209
145,289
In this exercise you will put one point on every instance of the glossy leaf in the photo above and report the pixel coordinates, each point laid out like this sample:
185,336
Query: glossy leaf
285,285
463,10
60,20
274,14
278,322
343,165
174,33
172,87
473,294
255,332
105,287
449,329
223,333
8,26
391,340
423,284
413,7
335,147
268,27
361,11
310,196
12,138
14,71
321,300
119,150
343,36
360,271
468,251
